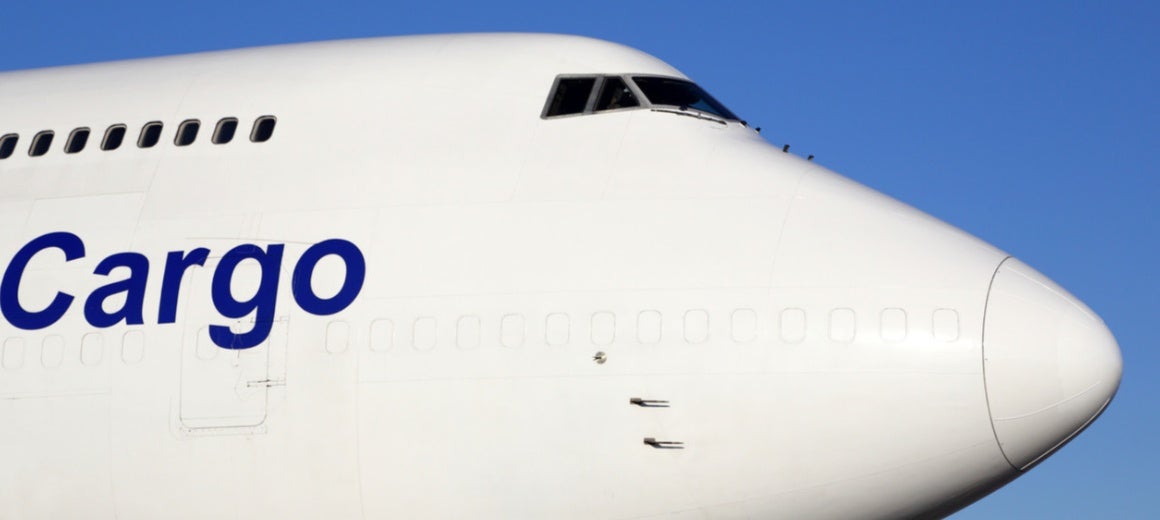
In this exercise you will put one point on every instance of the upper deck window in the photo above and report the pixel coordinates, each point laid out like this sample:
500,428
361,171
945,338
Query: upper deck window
187,132
77,140
114,136
226,128
8,145
40,143
150,135
263,129
680,93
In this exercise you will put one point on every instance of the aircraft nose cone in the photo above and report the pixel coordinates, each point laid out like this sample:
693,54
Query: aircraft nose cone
1051,365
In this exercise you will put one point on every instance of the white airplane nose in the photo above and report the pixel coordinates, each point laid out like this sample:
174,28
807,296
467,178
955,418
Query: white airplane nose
1051,365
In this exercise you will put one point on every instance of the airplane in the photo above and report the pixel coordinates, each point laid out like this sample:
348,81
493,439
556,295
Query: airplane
491,276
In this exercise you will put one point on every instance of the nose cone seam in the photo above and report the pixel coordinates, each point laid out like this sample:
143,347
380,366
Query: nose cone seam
986,391
1050,365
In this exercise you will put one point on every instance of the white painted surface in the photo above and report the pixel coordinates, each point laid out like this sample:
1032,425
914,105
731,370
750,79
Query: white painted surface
133,347
1051,364
793,325
744,325
744,285
382,335
649,327
945,324
12,355
893,324
513,330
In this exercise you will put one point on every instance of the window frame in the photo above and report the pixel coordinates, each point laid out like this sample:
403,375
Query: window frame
217,131
144,131
703,114
72,140
257,125
599,89
35,144
556,87
14,138
109,133
594,94
183,128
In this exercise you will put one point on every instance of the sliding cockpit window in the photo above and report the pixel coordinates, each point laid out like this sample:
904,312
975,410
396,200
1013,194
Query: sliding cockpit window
573,95
570,96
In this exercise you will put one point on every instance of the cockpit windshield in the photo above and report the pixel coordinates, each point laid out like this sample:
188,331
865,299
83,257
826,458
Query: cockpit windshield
680,93
593,94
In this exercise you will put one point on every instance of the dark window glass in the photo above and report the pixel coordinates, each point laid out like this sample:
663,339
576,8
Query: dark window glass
187,132
150,135
77,140
41,143
114,136
571,96
8,145
263,129
615,94
226,128
680,93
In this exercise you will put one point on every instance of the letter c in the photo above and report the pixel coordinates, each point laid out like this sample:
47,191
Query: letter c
21,318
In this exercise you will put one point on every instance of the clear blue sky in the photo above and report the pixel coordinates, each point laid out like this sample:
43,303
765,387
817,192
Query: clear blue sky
1034,126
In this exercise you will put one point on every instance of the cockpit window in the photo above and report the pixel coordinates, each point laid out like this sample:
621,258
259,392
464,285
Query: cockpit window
680,93
571,96
574,94
615,94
